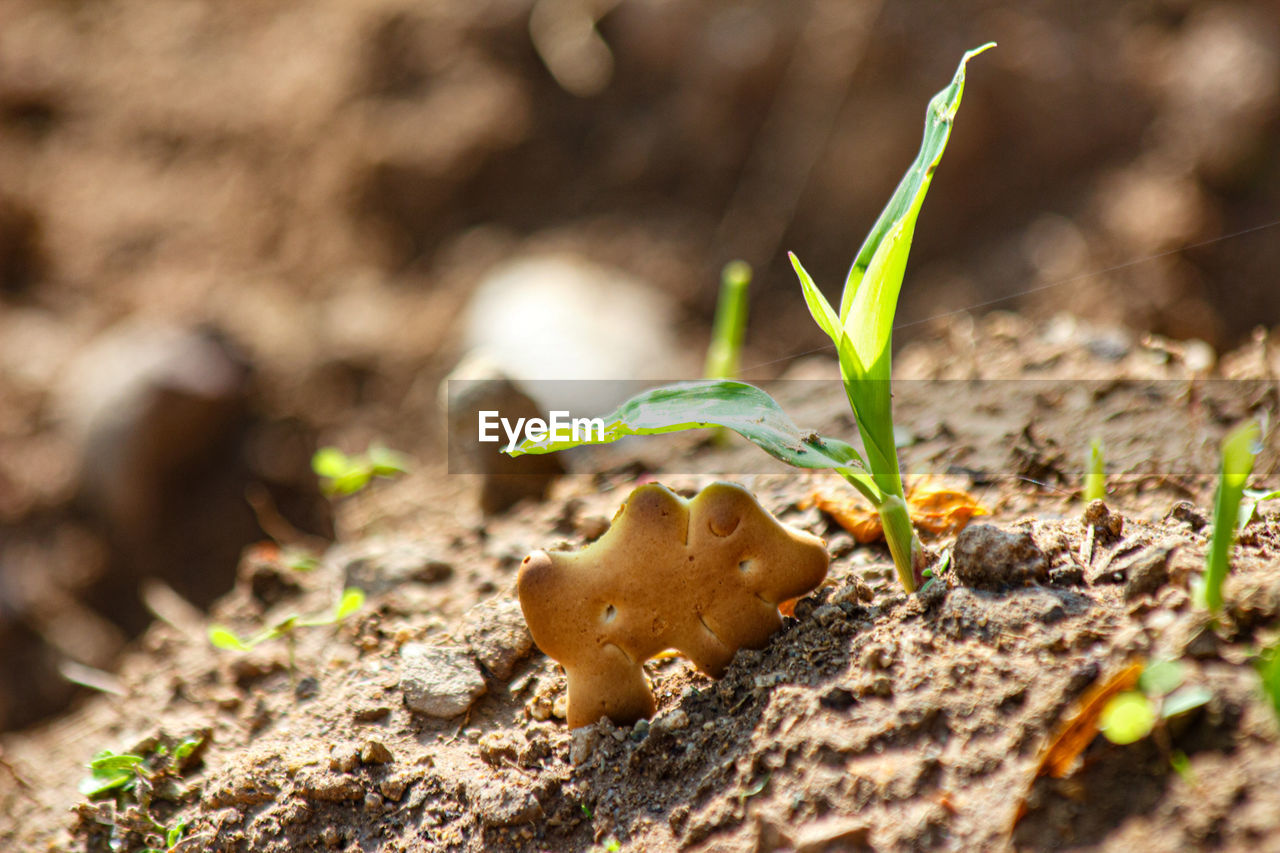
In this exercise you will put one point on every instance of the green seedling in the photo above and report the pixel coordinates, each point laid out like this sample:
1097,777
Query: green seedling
1132,715
224,638
1095,478
341,474
1249,504
1268,665
861,331
724,355
140,777
1238,451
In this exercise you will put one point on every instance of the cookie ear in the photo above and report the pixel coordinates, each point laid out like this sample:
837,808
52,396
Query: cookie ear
655,509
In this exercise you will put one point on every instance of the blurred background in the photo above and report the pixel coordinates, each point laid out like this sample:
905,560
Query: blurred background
232,231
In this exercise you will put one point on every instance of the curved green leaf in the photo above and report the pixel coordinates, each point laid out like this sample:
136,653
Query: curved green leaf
899,215
352,600
1238,451
737,406
225,638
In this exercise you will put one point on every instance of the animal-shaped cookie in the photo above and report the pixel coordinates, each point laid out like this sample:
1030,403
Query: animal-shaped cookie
703,577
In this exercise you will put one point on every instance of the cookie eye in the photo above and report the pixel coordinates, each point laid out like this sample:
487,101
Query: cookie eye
744,566
610,613
722,526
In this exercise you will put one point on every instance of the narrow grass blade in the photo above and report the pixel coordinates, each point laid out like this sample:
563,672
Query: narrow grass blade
1238,451
724,354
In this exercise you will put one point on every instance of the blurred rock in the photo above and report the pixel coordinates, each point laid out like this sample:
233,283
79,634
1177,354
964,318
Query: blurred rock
496,631
541,320
439,681
21,254
987,557
145,401
380,565
474,386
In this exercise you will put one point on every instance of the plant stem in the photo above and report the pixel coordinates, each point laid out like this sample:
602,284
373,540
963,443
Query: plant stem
899,533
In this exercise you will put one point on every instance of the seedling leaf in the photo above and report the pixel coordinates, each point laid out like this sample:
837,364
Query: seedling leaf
823,314
352,600
1127,718
730,326
225,638
1184,700
738,406
387,462
915,183
330,462
1238,451
1095,479
1160,678
1269,671
1249,505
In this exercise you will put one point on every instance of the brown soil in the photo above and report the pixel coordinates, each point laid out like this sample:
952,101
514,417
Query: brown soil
872,719
319,186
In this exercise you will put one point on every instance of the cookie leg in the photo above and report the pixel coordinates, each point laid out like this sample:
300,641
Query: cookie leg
701,644
615,688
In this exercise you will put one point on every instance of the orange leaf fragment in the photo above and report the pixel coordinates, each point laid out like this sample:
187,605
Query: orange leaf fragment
1060,754
934,508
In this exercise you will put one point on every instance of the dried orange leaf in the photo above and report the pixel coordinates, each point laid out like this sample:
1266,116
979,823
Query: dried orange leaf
940,510
852,514
934,508
1059,756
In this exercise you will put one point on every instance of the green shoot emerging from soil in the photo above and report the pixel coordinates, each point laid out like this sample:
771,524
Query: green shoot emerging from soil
1238,451
1095,478
1269,671
724,353
1131,715
224,638
861,331
142,777
341,474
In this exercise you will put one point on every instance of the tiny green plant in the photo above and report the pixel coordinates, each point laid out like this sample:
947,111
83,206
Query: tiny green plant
140,777
341,474
1132,715
1238,451
223,637
1249,504
1268,665
1095,478
861,331
724,355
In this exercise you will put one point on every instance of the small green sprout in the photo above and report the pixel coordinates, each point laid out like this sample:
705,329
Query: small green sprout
1268,665
724,355
1238,451
1132,715
224,638
341,474
861,331
1249,505
126,773
112,772
1095,478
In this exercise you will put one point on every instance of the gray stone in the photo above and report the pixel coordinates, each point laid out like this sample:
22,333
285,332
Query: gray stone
498,636
987,557
381,565
505,805
476,386
439,681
